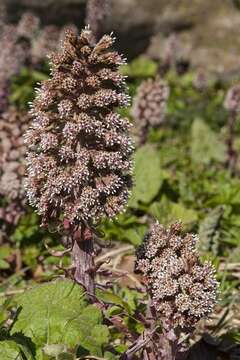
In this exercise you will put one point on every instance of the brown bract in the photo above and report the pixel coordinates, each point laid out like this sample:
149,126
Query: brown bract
183,290
79,148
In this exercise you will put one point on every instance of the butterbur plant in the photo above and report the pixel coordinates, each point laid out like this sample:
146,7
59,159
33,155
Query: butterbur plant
181,289
150,105
79,167
232,105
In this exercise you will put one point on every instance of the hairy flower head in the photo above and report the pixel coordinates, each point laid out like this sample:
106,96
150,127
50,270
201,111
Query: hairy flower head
78,146
183,290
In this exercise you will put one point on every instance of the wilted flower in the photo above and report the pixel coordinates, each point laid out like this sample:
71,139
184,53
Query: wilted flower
79,148
183,290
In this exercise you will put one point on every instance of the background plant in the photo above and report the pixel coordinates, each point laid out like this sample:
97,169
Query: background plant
79,149
180,173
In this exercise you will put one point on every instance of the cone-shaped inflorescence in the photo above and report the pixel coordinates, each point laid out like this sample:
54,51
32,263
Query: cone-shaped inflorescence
182,289
232,105
96,13
79,148
150,105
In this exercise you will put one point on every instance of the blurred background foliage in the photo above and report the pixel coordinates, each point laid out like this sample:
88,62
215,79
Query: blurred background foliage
179,173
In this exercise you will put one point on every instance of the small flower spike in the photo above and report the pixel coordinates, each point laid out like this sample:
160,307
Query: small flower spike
182,289
150,105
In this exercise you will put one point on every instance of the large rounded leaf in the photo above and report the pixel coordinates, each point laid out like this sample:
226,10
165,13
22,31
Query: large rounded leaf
148,176
58,313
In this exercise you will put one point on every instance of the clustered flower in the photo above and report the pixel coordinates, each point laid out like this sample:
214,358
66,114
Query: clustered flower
12,57
183,290
13,123
150,103
232,99
97,11
79,148
25,43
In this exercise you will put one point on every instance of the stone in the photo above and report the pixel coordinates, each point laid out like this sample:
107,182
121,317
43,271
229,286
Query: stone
208,30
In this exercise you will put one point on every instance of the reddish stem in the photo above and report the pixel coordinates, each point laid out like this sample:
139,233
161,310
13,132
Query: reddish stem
231,152
83,259
143,135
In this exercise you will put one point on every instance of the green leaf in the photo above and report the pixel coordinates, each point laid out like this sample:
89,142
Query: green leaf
9,350
99,336
180,212
209,233
140,67
110,298
135,235
5,251
58,313
109,356
147,174
27,228
205,144
167,212
4,264
66,356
